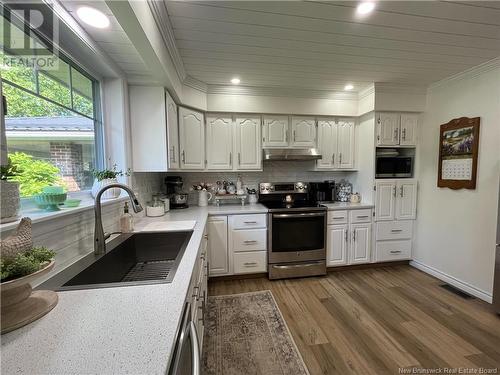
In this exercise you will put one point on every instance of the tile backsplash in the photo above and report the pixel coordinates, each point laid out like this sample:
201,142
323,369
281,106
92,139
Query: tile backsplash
275,171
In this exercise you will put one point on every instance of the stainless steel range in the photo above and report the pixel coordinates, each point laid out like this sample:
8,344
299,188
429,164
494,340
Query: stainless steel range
296,231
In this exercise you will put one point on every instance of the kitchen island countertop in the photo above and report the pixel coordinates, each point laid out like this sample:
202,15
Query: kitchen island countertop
122,330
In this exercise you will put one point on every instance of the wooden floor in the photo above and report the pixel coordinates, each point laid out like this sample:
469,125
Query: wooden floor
376,321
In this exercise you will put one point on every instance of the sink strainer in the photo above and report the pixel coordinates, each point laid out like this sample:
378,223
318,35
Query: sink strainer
154,270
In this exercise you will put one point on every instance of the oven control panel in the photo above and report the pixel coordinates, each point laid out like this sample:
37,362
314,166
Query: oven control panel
282,187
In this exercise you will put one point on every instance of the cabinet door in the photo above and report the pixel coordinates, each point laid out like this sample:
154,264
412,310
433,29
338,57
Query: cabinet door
219,142
385,199
248,148
148,129
218,254
172,132
275,131
336,245
406,202
192,139
409,129
346,144
360,243
327,144
303,132
388,129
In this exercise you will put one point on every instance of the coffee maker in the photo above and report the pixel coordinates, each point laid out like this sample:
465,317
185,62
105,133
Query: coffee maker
178,199
322,191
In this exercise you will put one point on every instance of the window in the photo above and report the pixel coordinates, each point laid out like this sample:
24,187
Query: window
52,122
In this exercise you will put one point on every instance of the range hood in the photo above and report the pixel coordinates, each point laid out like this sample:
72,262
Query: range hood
291,154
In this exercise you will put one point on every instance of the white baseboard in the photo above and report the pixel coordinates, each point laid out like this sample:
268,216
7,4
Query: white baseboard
462,285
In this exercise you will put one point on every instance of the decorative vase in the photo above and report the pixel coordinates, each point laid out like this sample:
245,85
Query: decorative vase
108,194
203,198
21,305
10,201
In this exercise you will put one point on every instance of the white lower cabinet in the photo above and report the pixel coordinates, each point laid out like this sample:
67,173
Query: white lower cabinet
360,243
336,239
250,262
198,291
386,251
350,242
237,244
218,252
393,240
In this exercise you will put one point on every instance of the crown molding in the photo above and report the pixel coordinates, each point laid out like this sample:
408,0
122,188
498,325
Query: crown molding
366,92
281,92
390,88
469,73
195,84
160,14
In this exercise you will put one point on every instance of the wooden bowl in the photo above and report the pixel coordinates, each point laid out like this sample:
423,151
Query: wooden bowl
21,305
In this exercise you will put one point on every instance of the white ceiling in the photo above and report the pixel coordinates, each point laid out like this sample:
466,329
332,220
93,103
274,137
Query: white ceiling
113,40
324,45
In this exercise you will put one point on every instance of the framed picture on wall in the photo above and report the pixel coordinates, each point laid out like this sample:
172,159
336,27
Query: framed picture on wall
458,150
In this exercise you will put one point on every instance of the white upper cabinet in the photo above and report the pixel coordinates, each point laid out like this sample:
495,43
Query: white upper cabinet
406,202
192,139
172,133
385,201
335,144
247,145
275,131
219,140
346,144
327,144
388,129
303,132
395,129
154,130
409,129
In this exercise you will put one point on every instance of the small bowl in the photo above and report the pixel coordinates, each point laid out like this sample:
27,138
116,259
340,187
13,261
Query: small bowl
50,202
72,202
53,190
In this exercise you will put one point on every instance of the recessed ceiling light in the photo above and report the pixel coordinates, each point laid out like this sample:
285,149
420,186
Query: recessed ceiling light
93,17
235,81
348,87
365,7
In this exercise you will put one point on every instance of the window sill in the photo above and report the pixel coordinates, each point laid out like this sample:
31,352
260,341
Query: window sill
38,215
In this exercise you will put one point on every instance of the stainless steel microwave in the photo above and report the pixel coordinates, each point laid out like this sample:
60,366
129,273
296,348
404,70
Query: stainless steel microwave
394,167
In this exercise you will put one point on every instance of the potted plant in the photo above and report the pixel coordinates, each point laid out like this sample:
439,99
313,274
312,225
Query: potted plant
21,264
105,177
10,200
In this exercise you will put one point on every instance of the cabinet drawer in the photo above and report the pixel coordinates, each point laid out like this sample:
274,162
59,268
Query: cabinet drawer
249,221
337,217
249,240
394,230
250,262
361,216
392,250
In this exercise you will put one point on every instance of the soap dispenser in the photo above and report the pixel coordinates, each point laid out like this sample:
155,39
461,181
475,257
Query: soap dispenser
126,220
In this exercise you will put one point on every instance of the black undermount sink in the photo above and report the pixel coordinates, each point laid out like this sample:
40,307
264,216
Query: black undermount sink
131,259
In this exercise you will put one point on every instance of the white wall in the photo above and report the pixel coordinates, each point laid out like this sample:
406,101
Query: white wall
364,179
456,229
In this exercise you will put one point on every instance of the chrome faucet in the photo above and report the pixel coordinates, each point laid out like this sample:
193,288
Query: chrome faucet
99,236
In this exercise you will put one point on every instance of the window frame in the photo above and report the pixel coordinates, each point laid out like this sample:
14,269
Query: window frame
99,144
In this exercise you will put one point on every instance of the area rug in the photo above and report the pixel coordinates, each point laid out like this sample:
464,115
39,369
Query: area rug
246,334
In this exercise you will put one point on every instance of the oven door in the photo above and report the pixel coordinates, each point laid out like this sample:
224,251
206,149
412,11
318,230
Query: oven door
297,237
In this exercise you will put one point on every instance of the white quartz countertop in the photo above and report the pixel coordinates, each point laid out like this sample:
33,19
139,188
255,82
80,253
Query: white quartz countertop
347,206
123,330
